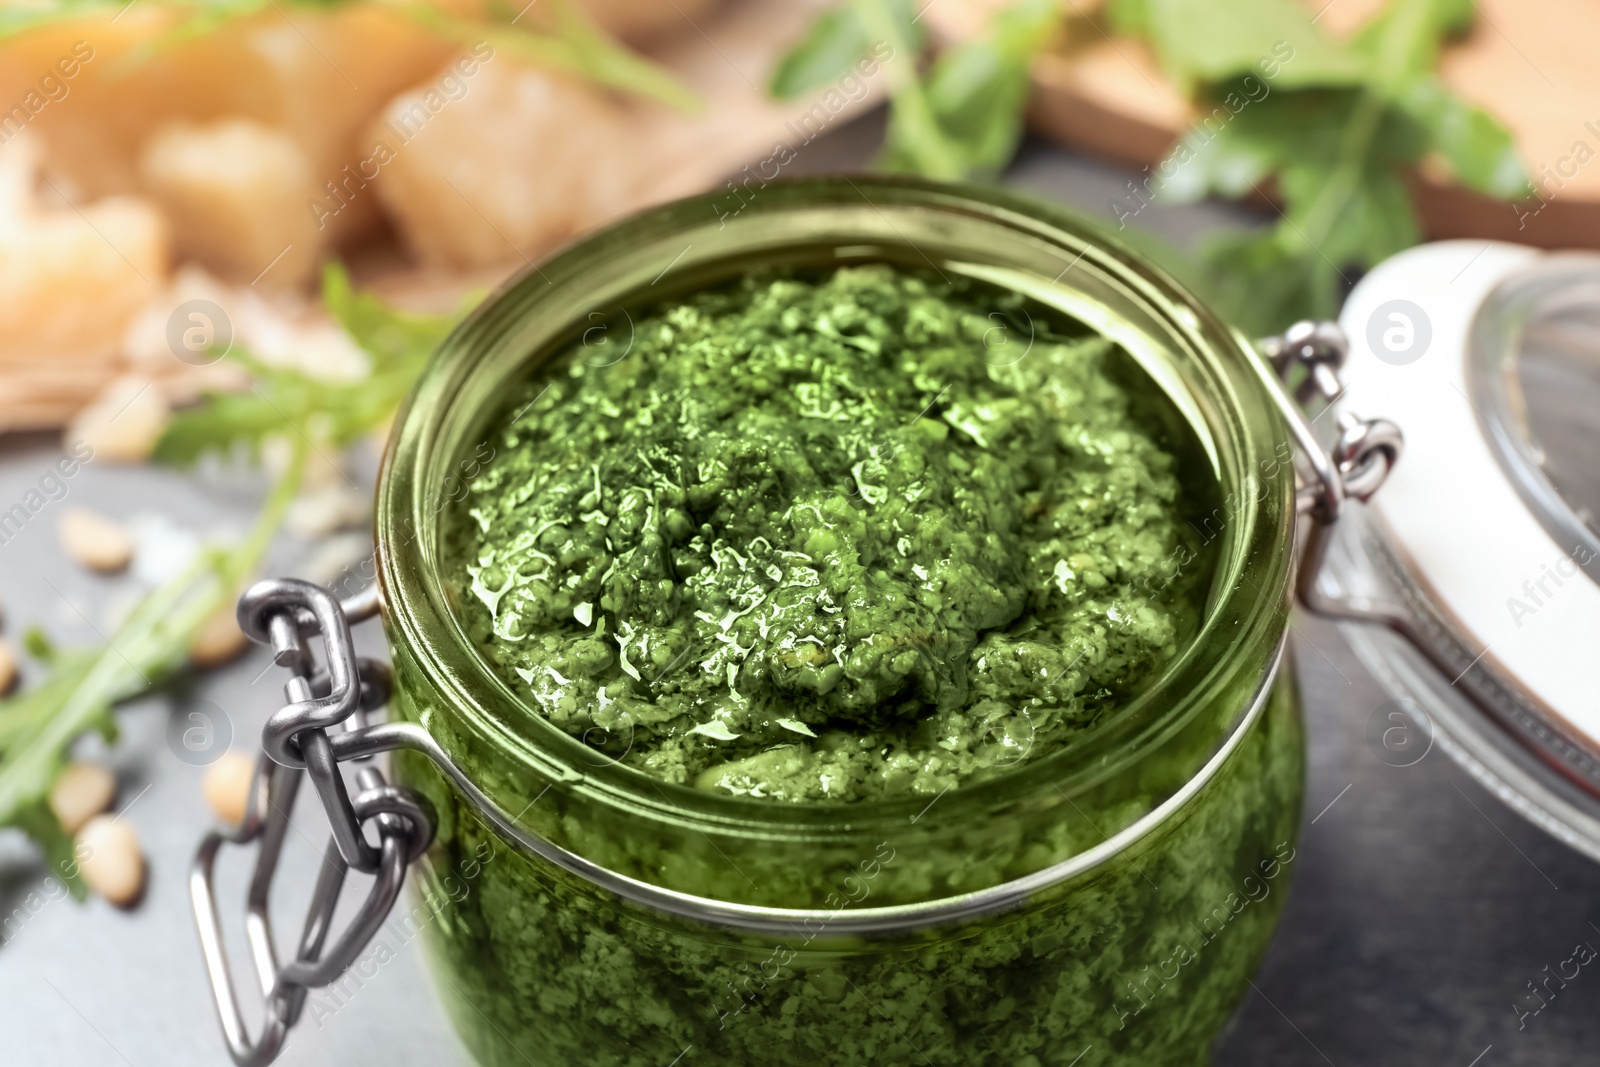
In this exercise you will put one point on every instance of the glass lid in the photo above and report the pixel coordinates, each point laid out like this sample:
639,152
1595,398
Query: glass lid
1533,375
1482,549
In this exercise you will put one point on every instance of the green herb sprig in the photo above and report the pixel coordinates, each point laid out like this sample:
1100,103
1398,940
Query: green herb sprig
1335,139
287,403
39,726
960,117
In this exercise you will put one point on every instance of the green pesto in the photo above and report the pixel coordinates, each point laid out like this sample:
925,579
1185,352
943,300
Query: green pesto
852,535
1137,962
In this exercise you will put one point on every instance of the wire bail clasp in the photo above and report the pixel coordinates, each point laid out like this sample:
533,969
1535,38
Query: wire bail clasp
1353,468
283,613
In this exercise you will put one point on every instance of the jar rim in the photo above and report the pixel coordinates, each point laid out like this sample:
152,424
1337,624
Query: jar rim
860,218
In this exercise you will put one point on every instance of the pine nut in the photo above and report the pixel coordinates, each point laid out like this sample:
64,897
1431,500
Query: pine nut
226,785
124,422
110,860
8,667
81,792
218,640
94,541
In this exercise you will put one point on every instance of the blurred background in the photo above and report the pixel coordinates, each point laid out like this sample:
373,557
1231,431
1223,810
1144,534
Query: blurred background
231,232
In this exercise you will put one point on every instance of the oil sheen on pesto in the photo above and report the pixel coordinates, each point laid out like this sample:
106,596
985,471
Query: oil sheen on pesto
865,533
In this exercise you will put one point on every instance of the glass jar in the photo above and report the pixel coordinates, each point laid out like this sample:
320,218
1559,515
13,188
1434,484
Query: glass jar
1101,904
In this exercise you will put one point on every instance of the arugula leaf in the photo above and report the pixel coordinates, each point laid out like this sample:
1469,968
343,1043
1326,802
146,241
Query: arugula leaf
39,645
1201,42
389,336
1405,37
1479,150
1331,128
203,15
39,726
291,404
839,37
1336,149
974,98
965,116
40,823
224,424
1266,281
836,40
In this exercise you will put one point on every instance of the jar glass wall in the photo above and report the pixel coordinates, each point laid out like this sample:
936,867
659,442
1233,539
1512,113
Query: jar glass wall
1021,919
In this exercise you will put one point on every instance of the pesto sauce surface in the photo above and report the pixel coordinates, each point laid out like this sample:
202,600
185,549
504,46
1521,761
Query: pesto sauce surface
831,536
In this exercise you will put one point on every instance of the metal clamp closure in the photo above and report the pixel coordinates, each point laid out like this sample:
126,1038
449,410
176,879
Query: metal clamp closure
296,743
1355,467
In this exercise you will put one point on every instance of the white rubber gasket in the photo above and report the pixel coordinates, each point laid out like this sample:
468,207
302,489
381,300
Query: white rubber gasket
1448,509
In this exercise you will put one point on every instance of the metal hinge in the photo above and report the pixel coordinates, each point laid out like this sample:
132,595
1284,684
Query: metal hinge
1354,468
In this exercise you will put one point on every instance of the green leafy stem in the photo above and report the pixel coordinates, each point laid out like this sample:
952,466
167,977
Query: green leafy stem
1336,127
960,117
39,726
1331,130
